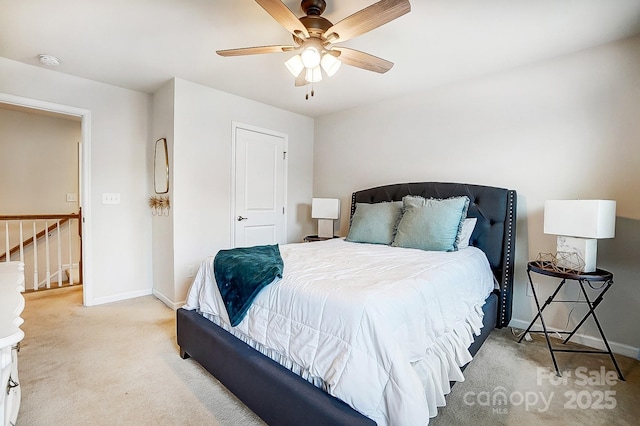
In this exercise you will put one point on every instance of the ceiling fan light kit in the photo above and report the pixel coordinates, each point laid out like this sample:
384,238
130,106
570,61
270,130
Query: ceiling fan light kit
295,65
310,57
313,75
314,37
330,64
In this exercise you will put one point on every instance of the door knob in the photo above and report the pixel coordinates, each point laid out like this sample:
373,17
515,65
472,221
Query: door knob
240,218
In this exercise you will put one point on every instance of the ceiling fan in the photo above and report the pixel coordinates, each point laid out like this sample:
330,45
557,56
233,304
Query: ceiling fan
314,38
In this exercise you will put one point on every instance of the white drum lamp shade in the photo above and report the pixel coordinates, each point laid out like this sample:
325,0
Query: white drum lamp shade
326,210
578,225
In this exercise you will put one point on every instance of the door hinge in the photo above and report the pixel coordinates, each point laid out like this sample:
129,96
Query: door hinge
284,155
283,210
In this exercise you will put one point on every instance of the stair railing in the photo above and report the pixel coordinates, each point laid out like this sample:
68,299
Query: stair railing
29,231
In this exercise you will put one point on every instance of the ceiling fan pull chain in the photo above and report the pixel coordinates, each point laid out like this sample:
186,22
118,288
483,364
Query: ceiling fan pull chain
306,97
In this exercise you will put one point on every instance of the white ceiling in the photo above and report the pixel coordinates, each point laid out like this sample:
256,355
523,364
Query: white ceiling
140,44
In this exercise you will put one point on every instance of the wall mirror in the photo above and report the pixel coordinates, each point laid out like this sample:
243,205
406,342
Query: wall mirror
161,167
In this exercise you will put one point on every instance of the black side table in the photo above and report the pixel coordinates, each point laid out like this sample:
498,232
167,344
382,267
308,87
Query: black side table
600,275
311,238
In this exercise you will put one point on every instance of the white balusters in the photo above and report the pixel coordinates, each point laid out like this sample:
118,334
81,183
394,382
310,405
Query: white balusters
30,238
59,240
47,258
21,244
35,257
71,281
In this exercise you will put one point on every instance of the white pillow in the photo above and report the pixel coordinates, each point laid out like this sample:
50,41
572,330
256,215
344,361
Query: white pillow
468,225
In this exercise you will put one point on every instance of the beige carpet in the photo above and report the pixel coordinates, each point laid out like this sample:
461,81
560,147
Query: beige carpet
588,393
118,364
114,364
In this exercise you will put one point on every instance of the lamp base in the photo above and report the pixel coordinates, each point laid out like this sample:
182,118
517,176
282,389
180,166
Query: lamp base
585,248
325,228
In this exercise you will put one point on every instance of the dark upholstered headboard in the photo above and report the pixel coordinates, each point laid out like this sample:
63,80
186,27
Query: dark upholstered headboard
495,230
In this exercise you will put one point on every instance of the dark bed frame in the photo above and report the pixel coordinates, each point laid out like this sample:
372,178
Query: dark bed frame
279,396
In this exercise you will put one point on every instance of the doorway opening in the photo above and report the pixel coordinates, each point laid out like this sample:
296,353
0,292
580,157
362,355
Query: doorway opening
83,116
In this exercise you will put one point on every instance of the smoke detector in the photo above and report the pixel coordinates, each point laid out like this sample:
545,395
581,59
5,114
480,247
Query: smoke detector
49,60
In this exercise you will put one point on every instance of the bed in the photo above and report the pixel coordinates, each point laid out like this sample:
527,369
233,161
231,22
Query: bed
281,397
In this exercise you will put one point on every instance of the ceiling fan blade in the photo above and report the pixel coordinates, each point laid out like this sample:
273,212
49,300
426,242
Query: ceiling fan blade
367,19
285,17
255,50
358,59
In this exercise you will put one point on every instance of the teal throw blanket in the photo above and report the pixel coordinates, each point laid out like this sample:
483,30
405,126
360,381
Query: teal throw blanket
242,272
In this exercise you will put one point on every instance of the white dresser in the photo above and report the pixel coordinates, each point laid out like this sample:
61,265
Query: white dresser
11,306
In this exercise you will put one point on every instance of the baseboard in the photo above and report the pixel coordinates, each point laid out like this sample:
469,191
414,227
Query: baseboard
119,297
586,340
170,303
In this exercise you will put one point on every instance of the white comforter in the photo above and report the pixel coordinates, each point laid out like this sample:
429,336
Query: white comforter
385,328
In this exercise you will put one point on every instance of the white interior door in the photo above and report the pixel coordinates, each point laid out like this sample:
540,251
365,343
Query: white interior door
260,192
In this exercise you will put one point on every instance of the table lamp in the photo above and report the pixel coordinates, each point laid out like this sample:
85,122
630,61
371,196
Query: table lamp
325,210
578,225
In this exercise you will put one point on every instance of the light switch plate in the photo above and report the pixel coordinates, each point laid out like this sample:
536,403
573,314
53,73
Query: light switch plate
110,198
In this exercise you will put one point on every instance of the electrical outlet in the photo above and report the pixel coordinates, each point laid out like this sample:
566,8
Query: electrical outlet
191,271
537,287
72,197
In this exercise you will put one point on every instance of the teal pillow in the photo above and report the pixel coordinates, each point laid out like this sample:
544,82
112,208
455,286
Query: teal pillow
374,223
431,224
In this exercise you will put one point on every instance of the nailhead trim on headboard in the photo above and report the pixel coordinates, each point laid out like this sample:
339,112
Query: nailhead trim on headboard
507,281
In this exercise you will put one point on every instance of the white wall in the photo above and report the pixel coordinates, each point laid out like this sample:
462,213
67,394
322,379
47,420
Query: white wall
39,155
119,129
201,153
567,128
162,226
